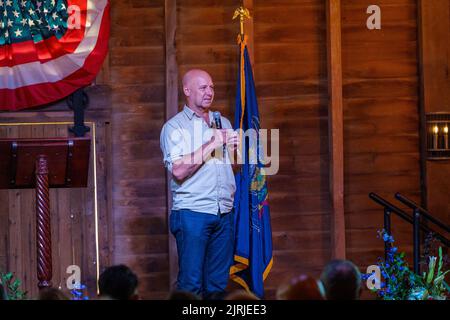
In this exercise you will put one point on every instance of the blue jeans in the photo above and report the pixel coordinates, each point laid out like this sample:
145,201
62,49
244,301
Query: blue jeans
205,244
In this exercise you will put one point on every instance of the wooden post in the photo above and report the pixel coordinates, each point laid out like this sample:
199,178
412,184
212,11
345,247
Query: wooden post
170,14
422,113
335,127
43,224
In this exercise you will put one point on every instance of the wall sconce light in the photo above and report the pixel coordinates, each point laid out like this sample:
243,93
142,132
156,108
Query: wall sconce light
437,136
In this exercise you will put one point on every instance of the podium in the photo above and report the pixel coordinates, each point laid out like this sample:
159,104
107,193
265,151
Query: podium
44,164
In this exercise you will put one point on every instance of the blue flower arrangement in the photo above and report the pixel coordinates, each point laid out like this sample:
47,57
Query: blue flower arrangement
78,292
400,283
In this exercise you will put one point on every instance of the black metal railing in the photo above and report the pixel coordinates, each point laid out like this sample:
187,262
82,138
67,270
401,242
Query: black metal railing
423,212
415,220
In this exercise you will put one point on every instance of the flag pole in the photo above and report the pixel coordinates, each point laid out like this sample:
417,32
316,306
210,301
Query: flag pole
253,256
243,14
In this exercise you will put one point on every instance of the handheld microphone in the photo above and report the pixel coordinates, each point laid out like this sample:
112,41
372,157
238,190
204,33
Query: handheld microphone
218,123
217,119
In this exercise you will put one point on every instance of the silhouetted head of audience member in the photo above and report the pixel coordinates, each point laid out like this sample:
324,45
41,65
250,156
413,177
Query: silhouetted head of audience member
241,295
3,295
183,295
52,294
302,287
118,283
341,280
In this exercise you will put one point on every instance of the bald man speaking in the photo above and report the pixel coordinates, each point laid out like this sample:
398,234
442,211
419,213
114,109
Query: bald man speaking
198,155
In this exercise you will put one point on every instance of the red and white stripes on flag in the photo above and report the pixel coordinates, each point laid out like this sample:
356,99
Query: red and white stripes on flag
38,73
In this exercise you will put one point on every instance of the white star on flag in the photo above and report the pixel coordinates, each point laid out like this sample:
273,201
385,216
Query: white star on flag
39,65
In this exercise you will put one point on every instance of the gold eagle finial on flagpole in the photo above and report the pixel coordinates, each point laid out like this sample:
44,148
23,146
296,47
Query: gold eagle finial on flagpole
242,13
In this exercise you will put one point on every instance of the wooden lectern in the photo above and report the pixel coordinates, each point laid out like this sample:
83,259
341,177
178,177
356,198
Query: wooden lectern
44,164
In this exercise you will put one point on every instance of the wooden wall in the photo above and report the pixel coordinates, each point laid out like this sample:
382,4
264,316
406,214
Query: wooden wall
137,69
290,72
73,211
435,84
289,40
291,77
381,121
206,39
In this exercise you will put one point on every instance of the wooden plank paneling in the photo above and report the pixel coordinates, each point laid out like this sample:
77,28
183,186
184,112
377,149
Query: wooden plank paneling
133,91
172,83
435,88
4,218
381,146
210,44
72,213
14,233
288,45
138,84
291,79
249,29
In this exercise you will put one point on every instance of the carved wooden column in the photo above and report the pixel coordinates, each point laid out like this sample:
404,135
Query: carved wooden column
43,224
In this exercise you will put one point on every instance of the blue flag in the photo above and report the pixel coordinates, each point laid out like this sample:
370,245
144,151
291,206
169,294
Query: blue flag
253,235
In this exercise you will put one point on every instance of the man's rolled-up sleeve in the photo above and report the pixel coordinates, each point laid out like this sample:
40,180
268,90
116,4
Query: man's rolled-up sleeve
172,145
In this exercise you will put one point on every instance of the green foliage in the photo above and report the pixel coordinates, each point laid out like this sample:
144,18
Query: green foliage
400,283
12,286
432,285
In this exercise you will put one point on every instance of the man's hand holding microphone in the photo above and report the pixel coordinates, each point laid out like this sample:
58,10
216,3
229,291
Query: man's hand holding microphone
227,138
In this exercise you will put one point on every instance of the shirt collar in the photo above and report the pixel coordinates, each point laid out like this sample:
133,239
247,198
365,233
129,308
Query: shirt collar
190,113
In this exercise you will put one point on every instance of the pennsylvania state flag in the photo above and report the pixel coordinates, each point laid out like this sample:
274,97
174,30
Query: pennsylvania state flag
253,235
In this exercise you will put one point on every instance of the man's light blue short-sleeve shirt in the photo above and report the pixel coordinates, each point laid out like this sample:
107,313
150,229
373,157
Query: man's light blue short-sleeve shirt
211,188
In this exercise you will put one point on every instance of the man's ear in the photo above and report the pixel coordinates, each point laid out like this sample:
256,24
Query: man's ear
187,91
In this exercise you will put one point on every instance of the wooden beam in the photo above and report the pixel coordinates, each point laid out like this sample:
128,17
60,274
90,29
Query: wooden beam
170,14
422,113
171,59
335,127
